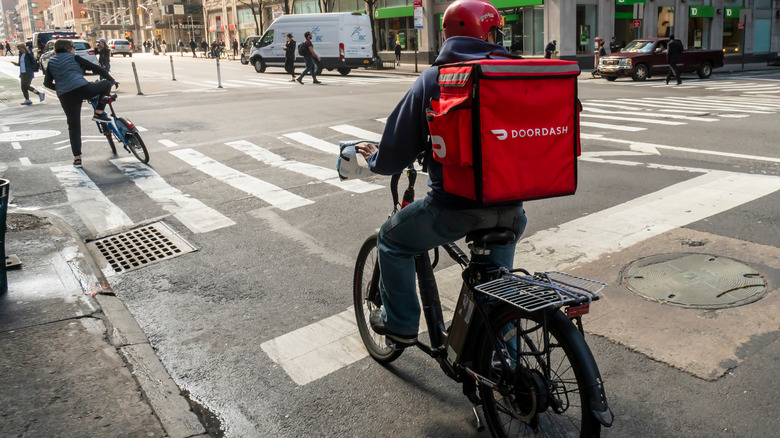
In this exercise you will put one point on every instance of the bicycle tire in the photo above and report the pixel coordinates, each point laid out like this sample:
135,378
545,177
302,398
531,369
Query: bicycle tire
528,410
365,268
137,147
110,138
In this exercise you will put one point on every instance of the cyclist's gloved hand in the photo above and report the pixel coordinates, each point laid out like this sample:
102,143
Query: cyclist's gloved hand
116,85
351,164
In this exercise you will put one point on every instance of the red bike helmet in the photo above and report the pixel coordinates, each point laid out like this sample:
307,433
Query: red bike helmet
471,18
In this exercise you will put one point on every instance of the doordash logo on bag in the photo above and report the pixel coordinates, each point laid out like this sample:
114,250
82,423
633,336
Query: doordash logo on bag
503,134
438,146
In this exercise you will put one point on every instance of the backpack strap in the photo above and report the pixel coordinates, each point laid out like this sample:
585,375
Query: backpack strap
502,55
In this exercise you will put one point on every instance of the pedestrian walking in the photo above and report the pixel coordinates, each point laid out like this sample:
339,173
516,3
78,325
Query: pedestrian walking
289,56
27,66
308,56
103,54
204,46
551,49
164,47
397,53
193,46
234,44
602,49
180,46
8,51
673,51
65,74
613,46
214,47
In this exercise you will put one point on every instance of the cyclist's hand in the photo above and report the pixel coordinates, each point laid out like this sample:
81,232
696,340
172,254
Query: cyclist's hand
116,85
366,149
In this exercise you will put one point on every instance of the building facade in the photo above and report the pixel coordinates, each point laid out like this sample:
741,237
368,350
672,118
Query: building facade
30,14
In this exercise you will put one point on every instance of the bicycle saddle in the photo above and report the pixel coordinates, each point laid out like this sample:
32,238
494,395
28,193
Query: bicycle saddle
491,235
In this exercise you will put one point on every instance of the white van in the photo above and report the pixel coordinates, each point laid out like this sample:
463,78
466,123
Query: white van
343,41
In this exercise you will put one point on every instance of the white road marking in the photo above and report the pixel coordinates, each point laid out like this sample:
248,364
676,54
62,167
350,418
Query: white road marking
326,175
16,145
647,114
614,127
319,349
314,142
268,192
168,143
630,119
358,133
192,213
98,213
662,103
140,128
25,161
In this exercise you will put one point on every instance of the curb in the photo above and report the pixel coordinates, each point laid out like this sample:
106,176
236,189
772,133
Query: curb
123,332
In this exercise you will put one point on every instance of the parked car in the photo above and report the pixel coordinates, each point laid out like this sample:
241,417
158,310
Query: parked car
39,39
247,46
731,48
645,58
83,49
122,47
343,40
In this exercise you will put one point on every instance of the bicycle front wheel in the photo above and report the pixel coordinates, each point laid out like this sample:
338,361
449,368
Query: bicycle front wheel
366,278
110,138
138,148
547,394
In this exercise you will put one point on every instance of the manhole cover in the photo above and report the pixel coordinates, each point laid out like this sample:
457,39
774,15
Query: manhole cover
140,247
28,135
694,280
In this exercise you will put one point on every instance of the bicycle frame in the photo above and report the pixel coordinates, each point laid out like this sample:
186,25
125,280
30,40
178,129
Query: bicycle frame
119,126
454,348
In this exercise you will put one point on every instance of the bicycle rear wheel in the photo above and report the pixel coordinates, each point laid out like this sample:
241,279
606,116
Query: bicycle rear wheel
137,147
366,277
536,405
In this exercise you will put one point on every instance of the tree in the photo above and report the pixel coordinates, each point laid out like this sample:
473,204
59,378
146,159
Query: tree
370,8
327,5
256,7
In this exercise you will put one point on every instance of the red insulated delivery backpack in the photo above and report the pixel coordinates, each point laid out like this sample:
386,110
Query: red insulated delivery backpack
507,129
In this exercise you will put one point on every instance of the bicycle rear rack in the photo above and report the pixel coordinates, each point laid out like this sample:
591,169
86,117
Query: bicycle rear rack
543,290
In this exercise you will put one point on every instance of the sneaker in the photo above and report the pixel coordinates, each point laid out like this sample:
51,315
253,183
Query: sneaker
317,82
77,163
27,102
378,325
42,96
292,80
102,118
299,81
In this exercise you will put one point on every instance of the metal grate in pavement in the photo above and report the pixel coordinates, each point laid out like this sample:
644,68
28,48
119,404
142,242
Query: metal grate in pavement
140,247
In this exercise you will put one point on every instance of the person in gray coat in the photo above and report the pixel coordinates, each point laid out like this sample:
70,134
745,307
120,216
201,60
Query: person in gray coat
65,74
26,66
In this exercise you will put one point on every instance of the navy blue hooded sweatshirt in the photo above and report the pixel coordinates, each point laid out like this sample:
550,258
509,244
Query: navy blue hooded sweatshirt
406,133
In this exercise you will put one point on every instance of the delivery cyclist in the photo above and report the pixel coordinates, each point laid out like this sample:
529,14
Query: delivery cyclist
470,31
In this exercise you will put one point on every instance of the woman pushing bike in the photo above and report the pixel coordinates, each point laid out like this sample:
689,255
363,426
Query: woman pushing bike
65,75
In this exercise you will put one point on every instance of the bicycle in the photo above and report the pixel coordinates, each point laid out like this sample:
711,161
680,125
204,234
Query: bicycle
121,130
516,352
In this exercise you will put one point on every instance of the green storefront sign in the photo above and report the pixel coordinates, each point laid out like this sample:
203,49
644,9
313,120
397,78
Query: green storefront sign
628,2
731,12
399,11
701,12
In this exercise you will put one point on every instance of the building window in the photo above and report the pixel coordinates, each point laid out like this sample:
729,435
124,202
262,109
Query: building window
586,28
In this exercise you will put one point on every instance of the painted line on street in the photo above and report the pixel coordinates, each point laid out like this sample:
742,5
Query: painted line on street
316,350
16,145
649,114
323,174
360,134
98,213
168,143
613,127
25,161
314,142
192,213
630,119
274,195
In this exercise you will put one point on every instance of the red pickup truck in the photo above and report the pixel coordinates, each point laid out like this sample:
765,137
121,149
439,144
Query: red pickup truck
644,58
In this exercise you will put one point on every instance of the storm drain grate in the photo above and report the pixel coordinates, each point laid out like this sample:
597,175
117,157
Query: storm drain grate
701,281
140,247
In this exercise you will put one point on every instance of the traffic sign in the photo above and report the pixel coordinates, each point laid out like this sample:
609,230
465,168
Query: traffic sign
740,25
637,23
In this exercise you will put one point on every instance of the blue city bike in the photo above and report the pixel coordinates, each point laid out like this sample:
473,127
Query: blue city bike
515,341
121,130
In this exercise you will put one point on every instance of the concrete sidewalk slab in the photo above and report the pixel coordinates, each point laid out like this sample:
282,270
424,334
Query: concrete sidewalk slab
73,361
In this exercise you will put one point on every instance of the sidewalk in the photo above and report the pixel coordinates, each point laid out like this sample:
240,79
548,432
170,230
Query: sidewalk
73,361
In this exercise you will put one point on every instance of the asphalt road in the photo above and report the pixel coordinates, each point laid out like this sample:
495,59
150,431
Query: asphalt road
251,324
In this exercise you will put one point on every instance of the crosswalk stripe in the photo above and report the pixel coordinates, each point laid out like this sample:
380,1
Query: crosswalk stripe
359,133
662,103
268,192
168,143
613,127
313,142
649,114
98,213
720,103
326,175
316,350
192,213
763,92
630,119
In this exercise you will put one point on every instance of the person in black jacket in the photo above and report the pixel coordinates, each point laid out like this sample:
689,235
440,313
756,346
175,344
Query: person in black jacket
65,75
289,56
26,66
673,51
103,54
193,45
551,48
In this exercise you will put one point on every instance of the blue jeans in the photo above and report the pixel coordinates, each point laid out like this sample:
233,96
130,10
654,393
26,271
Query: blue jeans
310,67
420,227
